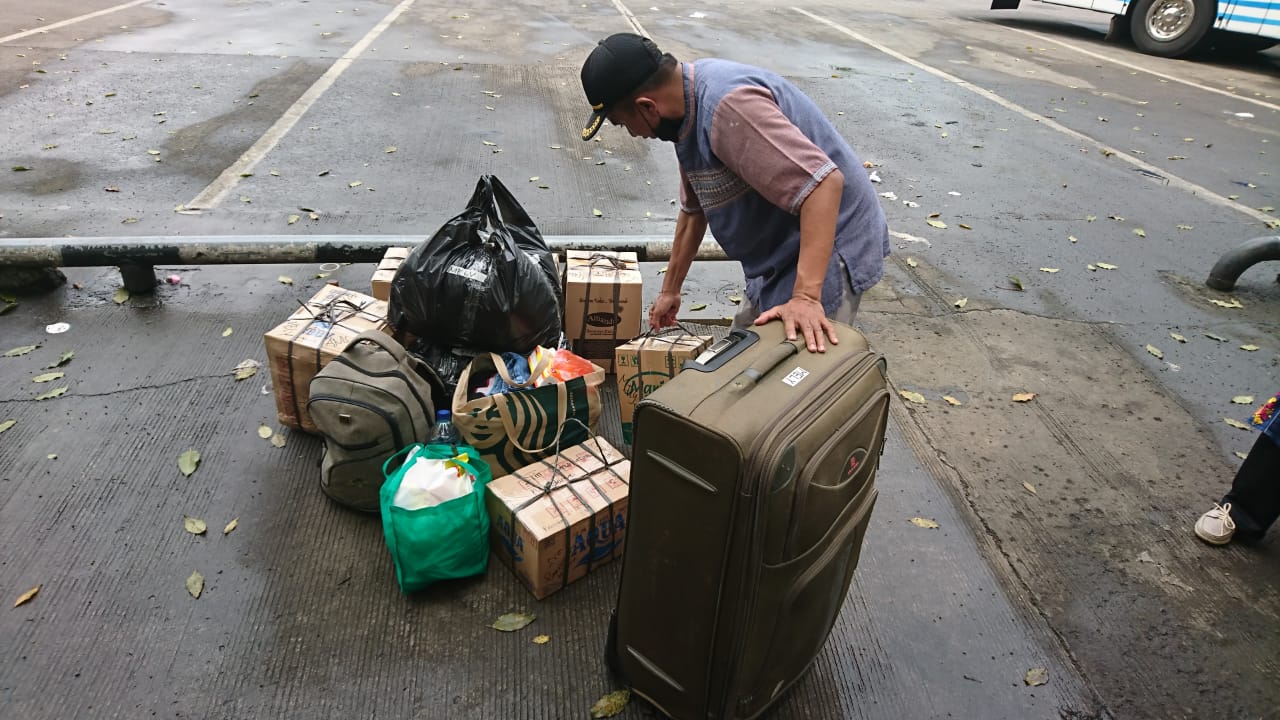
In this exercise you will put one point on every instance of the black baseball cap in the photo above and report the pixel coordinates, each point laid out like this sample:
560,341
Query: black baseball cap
615,68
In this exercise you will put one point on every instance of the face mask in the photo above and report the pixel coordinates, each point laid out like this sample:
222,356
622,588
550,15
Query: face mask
668,129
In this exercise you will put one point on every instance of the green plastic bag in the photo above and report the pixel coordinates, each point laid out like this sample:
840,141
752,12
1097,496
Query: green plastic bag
444,541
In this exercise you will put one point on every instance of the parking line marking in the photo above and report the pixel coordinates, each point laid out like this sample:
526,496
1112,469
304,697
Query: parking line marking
631,19
1131,66
1175,181
70,21
218,190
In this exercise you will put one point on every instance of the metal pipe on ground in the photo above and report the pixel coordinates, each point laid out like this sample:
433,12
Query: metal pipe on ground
137,256
1233,263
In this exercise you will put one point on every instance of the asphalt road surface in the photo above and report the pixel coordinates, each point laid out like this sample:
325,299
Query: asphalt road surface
1106,182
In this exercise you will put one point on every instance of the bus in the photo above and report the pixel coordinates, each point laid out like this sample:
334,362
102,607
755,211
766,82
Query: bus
1177,28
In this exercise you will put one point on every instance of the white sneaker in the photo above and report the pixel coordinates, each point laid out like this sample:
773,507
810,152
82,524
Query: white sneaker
1216,526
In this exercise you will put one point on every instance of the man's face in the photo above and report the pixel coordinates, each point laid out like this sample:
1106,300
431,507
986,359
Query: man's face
635,116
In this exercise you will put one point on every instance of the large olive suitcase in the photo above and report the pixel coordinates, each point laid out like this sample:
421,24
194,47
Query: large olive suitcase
751,488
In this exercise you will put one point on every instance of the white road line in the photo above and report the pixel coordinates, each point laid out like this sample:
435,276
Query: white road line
226,182
1131,66
631,19
71,21
1174,181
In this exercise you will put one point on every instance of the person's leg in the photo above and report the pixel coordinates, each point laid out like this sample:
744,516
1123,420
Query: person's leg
1255,491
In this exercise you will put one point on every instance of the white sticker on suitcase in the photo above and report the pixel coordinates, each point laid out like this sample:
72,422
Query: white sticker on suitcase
794,377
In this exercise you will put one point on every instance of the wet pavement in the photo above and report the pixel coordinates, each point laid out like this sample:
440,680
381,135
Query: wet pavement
1065,523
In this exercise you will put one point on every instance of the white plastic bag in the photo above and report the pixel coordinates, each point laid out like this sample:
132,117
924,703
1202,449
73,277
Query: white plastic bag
429,482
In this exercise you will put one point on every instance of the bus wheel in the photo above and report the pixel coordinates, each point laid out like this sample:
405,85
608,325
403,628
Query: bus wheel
1171,28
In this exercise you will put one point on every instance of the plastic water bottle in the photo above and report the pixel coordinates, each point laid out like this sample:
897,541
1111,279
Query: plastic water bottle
445,433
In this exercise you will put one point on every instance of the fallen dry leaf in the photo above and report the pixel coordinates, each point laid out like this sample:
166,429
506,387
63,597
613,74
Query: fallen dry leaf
1036,676
962,226
195,526
961,303
541,639
20,350
1017,283
277,440
47,377
735,299
1185,227
1108,266
1049,269
1236,424
611,704
1233,303
951,401
1073,238
189,461
698,306
62,360
911,262
56,392
7,424
596,212
195,584
1242,399
1155,351
927,524
914,397
1249,348
510,622
230,526
264,432
1139,232
355,183
1242,456
120,297
27,596
1219,338
1030,488
294,218
938,224
246,369
1177,337
285,280
1024,397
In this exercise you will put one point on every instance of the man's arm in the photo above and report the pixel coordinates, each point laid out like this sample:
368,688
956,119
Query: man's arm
803,312
690,229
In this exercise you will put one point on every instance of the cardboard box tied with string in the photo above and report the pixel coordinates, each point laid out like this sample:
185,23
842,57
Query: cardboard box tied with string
313,335
554,521
603,302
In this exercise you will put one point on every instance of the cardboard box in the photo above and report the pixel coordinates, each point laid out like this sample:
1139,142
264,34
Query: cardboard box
603,303
312,336
386,272
554,521
645,364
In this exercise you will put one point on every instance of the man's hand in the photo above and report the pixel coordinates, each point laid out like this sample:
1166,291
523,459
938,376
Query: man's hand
804,315
663,312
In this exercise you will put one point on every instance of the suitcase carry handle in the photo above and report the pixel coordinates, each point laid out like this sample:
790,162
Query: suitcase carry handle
722,351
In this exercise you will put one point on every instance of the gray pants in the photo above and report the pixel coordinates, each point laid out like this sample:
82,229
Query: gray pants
848,310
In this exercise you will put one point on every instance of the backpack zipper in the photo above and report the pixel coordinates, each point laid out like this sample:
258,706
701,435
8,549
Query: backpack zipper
386,416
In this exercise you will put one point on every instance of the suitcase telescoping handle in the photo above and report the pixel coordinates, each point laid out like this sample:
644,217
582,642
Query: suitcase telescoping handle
722,351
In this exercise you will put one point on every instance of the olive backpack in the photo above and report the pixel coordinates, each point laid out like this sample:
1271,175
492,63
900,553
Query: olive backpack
369,402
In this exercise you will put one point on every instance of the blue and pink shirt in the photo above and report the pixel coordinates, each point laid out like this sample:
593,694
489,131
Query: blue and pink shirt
751,148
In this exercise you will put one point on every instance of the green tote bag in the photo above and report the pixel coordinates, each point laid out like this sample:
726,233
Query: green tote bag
444,541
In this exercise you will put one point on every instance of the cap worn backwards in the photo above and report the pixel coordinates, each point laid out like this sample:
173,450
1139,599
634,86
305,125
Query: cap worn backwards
615,68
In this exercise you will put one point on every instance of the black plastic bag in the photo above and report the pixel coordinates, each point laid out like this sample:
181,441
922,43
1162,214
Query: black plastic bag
485,280
448,364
